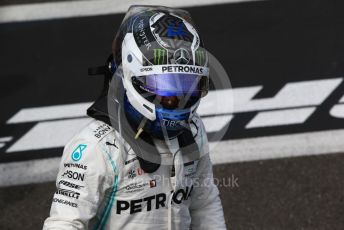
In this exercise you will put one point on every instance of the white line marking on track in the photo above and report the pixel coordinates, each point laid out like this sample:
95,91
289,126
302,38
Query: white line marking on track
280,117
214,124
2,145
293,94
224,152
71,9
5,139
50,113
279,146
49,134
341,99
28,172
337,111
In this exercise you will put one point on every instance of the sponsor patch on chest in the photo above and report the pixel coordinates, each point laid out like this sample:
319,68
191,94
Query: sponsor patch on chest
190,168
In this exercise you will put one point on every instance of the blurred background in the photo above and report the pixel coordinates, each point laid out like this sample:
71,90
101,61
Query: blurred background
280,164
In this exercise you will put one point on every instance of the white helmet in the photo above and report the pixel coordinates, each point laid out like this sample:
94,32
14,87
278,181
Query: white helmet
164,68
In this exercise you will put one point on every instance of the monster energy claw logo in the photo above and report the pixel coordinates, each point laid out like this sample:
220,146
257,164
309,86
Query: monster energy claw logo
200,57
159,56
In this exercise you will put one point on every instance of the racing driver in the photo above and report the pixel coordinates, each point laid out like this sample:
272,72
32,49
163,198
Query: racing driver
143,160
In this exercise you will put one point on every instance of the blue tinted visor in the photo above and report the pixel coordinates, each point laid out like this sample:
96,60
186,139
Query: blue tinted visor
174,84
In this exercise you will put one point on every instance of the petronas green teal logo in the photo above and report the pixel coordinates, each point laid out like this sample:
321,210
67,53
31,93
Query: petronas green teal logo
200,57
159,56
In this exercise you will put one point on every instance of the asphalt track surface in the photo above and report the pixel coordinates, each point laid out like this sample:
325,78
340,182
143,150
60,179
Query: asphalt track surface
266,43
17,2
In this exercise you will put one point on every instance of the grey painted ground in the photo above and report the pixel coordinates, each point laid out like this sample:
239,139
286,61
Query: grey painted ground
298,193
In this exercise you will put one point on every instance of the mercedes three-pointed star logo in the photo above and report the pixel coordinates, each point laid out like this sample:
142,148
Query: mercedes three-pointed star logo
181,56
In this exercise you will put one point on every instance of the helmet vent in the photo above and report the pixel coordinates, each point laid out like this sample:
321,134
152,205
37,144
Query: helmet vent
146,106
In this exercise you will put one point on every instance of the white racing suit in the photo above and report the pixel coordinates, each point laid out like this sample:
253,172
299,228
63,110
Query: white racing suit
100,185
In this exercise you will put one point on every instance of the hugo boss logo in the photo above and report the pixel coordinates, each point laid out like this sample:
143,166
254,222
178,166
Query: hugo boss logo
101,130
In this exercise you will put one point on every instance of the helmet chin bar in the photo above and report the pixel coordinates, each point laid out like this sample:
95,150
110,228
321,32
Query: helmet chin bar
130,61
145,107
129,48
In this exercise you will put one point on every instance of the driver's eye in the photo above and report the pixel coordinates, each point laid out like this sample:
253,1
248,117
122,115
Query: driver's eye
169,102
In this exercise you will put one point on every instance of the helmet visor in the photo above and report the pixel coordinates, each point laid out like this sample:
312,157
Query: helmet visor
173,90
174,84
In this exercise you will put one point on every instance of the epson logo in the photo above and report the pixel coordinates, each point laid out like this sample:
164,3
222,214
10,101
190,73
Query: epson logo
183,69
74,175
144,69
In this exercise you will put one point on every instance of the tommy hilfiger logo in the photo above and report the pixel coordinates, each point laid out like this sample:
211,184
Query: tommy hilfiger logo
152,183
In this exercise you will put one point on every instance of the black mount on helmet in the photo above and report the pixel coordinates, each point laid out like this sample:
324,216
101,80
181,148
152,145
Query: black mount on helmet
106,70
